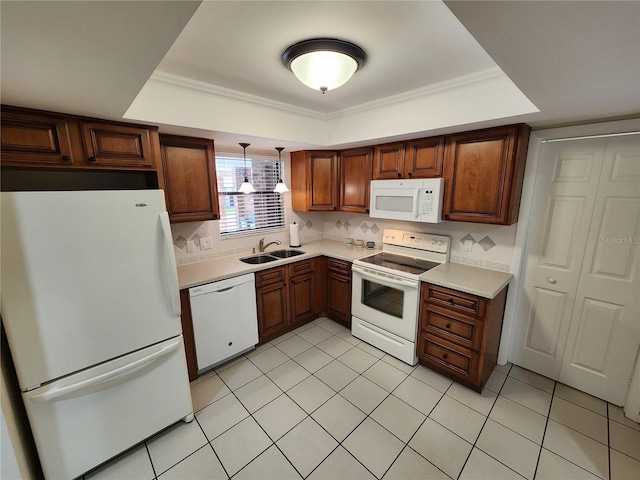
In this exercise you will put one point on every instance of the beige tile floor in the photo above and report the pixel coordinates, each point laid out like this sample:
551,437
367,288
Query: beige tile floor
317,403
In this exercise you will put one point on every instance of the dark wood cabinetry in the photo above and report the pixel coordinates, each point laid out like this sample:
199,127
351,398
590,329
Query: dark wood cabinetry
483,173
286,298
339,291
459,334
421,158
314,181
355,179
190,178
94,154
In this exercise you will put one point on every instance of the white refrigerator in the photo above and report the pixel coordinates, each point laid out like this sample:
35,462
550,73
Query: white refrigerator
91,309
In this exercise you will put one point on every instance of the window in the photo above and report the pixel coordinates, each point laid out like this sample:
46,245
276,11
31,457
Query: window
240,213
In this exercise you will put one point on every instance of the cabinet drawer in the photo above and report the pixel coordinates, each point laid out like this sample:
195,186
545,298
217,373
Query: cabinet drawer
270,277
456,301
464,331
301,267
117,145
340,266
460,362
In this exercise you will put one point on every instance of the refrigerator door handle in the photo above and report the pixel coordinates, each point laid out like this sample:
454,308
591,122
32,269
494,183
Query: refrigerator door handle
60,391
174,289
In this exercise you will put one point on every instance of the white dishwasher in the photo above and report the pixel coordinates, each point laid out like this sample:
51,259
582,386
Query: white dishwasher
225,320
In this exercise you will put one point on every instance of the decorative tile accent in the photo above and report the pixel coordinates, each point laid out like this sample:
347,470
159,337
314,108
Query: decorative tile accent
196,240
180,242
364,227
309,224
346,225
487,244
375,229
467,237
338,224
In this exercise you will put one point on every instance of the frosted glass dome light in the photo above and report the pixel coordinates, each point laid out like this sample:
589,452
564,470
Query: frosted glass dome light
324,63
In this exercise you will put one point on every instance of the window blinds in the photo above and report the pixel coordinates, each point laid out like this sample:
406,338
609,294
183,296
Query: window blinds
242,213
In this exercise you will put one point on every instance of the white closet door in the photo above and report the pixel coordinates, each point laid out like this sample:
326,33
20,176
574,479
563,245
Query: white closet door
604,332
563,201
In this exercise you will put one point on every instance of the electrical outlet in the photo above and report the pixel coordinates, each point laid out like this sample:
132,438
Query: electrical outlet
206,243
191,246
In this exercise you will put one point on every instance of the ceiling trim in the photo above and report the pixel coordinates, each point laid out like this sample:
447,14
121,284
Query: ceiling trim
423,92
164,78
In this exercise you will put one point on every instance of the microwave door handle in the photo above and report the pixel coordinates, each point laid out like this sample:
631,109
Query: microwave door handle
383,280
417,209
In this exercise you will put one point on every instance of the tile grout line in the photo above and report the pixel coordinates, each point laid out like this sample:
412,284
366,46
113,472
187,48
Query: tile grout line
153,468
544,434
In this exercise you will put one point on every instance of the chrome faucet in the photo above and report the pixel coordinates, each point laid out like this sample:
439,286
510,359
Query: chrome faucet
262,246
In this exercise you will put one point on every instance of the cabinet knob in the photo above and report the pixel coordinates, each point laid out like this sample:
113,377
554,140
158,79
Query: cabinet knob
399,175
445,356
551,280
92,159
410,174
66,158
448,325
450,300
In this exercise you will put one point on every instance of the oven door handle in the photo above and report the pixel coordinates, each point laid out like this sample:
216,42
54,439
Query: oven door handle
384,279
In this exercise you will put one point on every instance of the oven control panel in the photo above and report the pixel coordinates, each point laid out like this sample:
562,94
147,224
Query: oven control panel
417,240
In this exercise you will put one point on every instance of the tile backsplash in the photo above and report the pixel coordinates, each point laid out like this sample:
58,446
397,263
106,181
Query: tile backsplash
486,246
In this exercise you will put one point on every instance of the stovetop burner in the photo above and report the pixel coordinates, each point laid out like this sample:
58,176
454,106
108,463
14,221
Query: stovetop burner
415,266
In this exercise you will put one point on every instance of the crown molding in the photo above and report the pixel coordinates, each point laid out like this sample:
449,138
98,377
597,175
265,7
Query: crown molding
177,81
463,81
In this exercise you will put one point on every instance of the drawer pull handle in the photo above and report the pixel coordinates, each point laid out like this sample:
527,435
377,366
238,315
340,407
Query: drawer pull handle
448,325
444,356
450,300
92,159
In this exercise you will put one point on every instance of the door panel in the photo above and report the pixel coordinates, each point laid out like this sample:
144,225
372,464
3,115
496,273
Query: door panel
604,333
564,196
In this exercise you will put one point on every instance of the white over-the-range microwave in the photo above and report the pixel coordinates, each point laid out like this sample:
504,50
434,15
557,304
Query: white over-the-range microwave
413,200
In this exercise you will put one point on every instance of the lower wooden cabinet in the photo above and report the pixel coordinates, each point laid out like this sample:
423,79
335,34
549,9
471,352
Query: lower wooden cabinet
459,334
286,298
339,291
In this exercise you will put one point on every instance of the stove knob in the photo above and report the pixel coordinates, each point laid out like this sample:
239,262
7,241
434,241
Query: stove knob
440,242
433,242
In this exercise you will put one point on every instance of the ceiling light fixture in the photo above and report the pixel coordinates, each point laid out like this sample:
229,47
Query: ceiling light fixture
246,187
324,63
280,186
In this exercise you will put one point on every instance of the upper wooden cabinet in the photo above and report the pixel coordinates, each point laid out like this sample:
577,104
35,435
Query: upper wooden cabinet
424,158
483,174
46,139
421,158
117,145
314,181
35,139
388,161
355,179
190,178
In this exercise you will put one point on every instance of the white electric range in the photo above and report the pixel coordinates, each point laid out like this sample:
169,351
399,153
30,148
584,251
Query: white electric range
386,290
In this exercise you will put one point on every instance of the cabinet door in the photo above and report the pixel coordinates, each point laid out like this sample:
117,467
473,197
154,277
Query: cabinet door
34,139
339,298
273,311
424,158
388,161
324,181
302,298
484,172
119,146
355,179
190,178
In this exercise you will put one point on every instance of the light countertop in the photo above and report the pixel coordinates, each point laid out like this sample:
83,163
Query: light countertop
465,278
193,274
474,280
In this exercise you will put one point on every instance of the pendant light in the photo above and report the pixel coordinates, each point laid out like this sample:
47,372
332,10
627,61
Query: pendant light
246,187
324,63
280,186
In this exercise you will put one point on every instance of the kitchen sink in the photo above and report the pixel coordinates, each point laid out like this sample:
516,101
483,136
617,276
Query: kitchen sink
255,259
286,253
